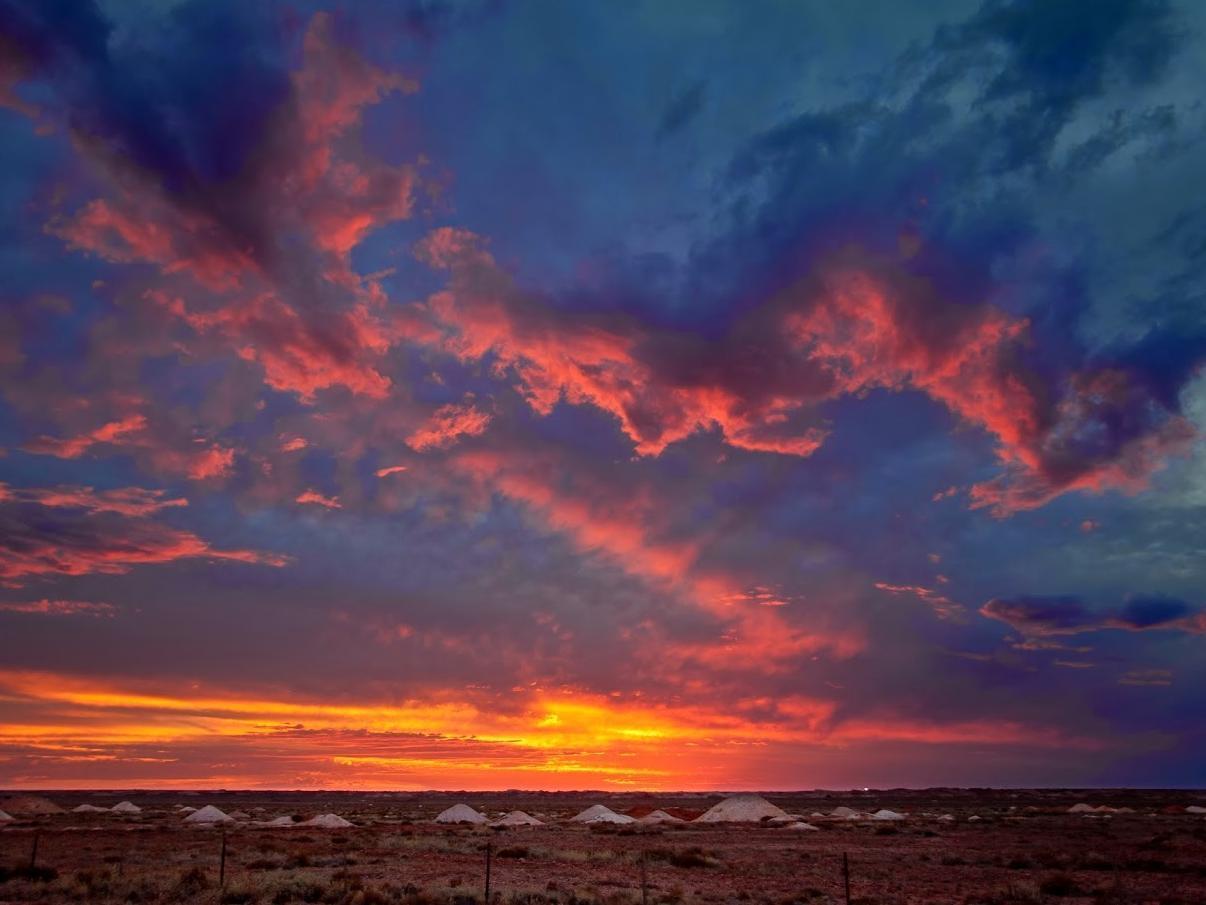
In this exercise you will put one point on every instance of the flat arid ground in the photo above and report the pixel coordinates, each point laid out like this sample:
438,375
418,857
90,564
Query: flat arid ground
1024,847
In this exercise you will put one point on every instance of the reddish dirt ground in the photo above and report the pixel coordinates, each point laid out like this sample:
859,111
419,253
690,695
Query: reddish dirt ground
1025,848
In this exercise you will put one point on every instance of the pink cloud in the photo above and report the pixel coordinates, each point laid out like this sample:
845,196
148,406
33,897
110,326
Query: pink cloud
111,549
595,362
447,425
45,607
74,447
625,525
80,531
298,354
313,497
943,607
160,445
130,501
263,262
853,326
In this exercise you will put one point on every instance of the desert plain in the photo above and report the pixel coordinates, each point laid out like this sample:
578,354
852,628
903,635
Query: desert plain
963,847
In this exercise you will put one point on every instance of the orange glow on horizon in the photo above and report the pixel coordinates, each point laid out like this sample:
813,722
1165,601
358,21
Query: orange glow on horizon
532,738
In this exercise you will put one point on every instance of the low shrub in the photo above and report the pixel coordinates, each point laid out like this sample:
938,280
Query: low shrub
1059,885
691,857
190,884
36,874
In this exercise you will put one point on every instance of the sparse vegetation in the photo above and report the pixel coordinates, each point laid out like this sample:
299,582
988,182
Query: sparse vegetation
392,861
1060,885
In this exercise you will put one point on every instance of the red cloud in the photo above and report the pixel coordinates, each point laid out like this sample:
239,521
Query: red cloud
86,531
261,268
447,425
625,525
160,445
263,261
74,447
298,354
140,226
114,550
854,326
130,501
317,499
599,362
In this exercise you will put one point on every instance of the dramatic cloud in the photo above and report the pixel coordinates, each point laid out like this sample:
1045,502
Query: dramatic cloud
857,326
262,259
550,740
600,433
629,527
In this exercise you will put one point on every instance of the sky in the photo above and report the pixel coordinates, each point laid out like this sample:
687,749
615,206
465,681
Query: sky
673,394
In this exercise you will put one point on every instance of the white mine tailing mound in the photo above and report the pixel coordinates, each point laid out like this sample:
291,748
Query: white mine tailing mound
208,814
328,822
659,816
89,809
517,818
126,807
844,812
743,809
1083,808
802,826
460,813
240,815
598,813
5,817
885,814
1195,809
947,818
29,804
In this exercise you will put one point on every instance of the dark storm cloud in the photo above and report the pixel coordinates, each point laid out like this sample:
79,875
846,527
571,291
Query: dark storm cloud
1070,615
932,171
185,100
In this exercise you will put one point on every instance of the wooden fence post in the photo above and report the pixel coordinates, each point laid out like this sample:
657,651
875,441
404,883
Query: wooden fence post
489,852
846,875
222,863
33,855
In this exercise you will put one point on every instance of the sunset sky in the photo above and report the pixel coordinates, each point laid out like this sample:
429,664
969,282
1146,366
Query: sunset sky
658,394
